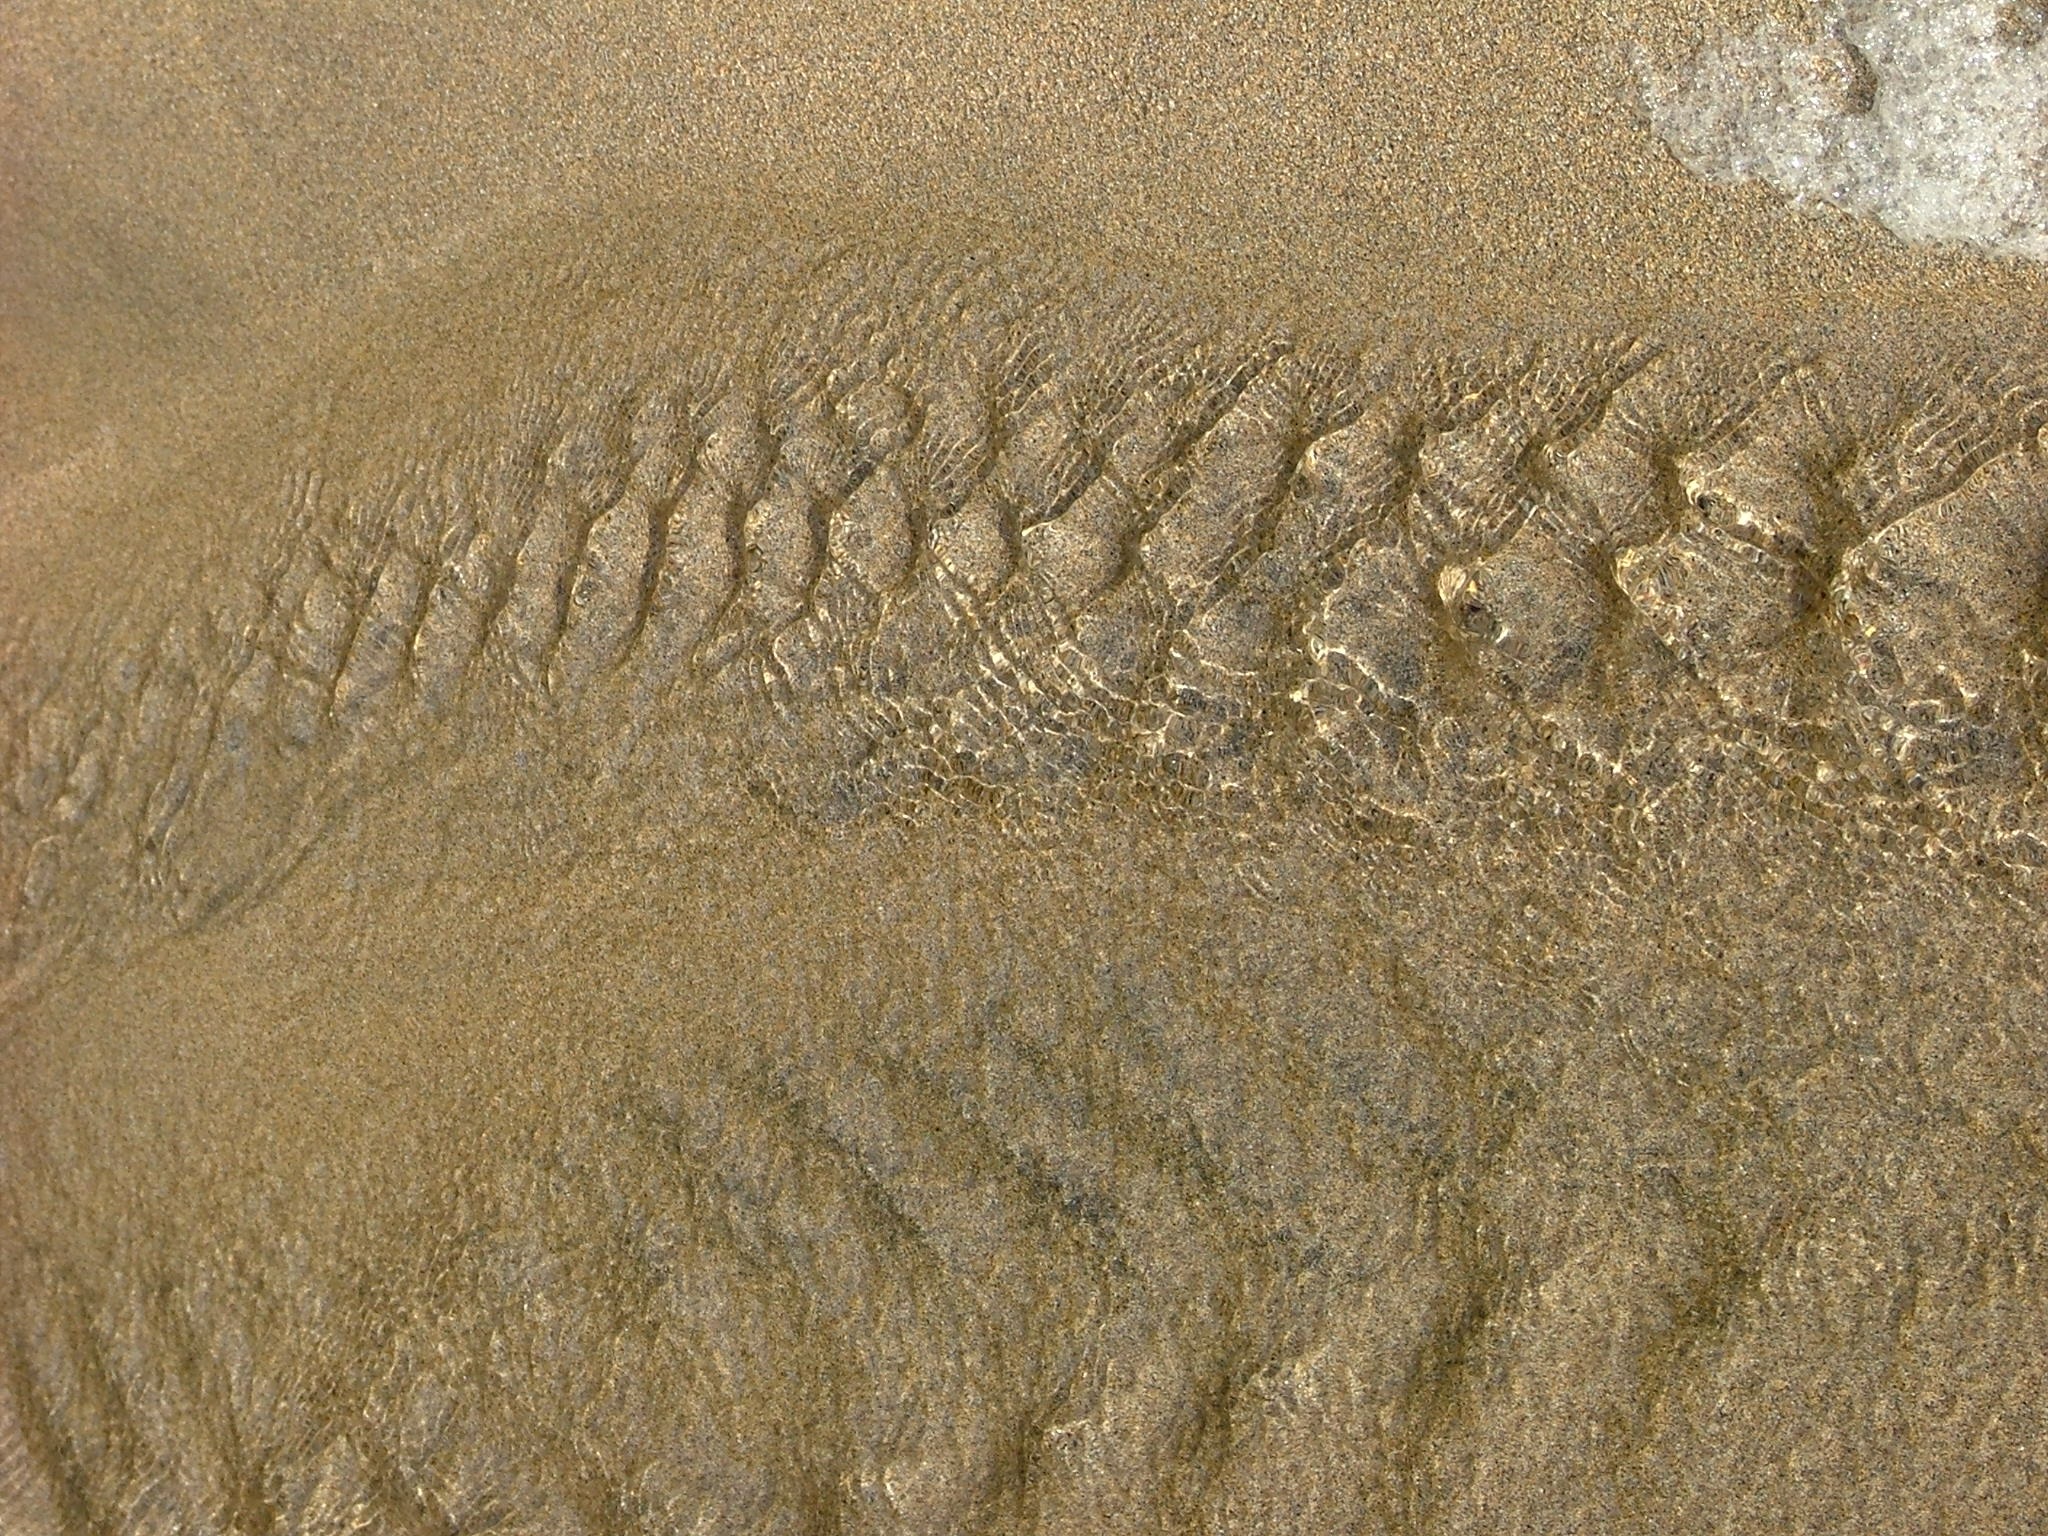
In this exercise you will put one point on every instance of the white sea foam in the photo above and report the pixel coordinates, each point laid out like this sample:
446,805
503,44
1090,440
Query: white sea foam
1930,116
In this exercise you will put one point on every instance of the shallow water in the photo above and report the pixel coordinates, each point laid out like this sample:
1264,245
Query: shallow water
843,877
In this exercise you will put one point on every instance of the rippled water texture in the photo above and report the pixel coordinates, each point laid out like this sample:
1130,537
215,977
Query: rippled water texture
705,865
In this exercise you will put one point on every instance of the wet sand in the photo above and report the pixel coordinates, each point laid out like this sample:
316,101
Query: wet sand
1540,1045
222,175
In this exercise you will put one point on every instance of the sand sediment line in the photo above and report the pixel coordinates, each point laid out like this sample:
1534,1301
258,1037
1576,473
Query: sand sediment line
896,528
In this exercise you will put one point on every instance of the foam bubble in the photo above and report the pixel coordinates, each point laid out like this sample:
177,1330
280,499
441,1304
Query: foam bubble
1930,116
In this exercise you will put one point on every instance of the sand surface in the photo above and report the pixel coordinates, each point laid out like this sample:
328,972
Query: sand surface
222,173
1414,908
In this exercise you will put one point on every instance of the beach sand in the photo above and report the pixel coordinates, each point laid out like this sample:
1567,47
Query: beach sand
1602,1091
224,174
